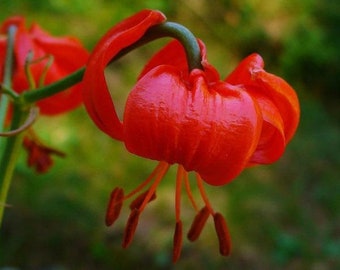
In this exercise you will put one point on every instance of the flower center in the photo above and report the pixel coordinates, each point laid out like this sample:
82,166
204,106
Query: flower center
140,202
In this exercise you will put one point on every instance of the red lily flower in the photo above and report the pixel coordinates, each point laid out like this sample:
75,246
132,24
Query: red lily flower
277,101
212,127
52,58
68,56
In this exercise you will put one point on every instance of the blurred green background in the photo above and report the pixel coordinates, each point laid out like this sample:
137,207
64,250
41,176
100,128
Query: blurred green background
283,216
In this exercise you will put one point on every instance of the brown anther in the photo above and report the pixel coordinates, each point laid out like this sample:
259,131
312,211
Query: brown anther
114,206
198,224
178,239
222,234
136,203
131,227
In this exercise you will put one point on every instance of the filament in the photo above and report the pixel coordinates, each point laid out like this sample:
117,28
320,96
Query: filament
163,168
179,178
147,181
203,194
188,189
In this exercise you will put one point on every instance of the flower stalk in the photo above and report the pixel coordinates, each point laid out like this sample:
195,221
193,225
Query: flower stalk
7,80
10,147
53,88
176,31
9,158
167,29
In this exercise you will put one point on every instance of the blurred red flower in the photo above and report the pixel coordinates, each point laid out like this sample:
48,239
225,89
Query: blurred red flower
48,60
66,53
213,127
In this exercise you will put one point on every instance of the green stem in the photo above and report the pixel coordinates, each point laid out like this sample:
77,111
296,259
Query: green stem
174,30
183,35
12,144
7,79
167,29
9,158
54,88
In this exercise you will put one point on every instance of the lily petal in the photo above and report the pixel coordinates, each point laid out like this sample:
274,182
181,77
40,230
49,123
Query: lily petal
96,94
278,102
197,127
68,55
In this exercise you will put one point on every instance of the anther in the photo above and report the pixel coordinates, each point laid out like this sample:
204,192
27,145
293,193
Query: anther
136,203
222,234
178,239
131,227
114,206
198,224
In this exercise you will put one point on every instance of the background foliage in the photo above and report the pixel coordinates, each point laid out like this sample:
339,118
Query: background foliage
283,216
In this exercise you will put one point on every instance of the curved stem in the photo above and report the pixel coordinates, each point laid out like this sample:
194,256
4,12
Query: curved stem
53,88
167,29
174,30
32,116
187,39
9,92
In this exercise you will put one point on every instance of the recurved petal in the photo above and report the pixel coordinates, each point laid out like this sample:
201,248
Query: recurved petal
242,74
18,21
97,98
272,142
283,96
274,92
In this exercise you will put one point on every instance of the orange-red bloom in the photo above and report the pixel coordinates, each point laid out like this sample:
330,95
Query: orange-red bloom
213,127
66,53
46,59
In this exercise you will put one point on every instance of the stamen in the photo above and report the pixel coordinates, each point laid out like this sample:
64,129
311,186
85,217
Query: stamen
133,219
188,189
178,239
147,181
222,234
203,194
198,224
163,168
136,203
178,236
179,177
114,206
131,227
